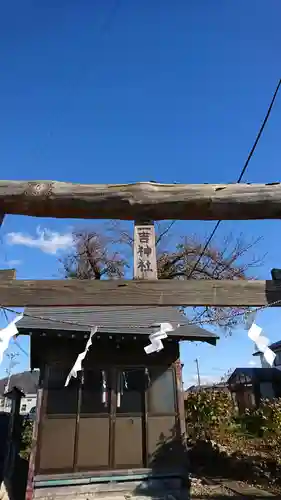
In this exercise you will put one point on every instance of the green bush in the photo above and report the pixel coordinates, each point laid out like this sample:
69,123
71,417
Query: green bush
206,411
26,439
254,437
264,421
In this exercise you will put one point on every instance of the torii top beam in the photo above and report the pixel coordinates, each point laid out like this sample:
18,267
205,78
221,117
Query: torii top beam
141,201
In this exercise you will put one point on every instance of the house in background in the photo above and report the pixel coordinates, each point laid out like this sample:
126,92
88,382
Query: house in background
248,386
276,348
27,382
122,397
216,387
28,403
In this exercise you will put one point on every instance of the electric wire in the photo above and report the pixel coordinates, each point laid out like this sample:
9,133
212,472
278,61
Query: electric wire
240,176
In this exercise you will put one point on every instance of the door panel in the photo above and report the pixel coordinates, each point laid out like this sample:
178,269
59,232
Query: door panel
57,427
94,421
57,444
163,441
161,394
128,449
93,443
130,388
160,439
128,436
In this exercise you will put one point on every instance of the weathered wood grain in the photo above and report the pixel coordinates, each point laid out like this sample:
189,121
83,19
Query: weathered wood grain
54,293
143,200
7,274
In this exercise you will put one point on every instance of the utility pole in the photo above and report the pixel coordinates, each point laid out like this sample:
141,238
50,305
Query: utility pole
198,373
11,365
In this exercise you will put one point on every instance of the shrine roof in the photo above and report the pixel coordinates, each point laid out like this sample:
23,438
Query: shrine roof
113,320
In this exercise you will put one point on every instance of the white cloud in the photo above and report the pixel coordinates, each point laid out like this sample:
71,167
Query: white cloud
12,263
45,240
252,362
204,379
208,379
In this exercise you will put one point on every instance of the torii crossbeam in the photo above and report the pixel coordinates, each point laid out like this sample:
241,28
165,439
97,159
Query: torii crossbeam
142,201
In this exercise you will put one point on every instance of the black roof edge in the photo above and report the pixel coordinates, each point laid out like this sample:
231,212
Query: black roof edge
211,339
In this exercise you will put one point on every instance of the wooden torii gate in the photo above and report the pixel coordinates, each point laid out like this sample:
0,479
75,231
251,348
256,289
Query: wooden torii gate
143,201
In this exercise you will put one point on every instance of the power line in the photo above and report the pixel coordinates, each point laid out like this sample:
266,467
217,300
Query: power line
5,314
74,323
136,327
240,176
15,340
260,132
11,365
21,348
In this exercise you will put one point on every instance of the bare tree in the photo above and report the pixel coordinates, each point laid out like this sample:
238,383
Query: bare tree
108,254
93,257
227,374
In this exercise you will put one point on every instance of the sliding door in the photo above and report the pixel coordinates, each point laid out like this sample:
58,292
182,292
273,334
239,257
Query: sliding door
129,418
94,424
162,419
57,428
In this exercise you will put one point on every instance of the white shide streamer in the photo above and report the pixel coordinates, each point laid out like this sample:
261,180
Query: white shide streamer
261,342
7,333
77,367
156,338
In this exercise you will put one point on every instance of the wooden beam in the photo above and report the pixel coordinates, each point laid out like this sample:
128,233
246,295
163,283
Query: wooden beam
138,293
141,201
7,274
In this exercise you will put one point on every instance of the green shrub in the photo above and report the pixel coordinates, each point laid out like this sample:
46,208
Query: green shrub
264,421
206,411
26,439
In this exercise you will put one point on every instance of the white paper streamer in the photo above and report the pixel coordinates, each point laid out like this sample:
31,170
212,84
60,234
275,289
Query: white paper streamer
156,338
7,333
104,388
77,367
261,342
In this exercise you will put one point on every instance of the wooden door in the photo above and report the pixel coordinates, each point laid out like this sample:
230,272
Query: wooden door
108,418
75,426
95,420
164,445
129,443
57,427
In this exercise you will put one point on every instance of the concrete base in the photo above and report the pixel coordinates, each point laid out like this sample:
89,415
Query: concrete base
155,489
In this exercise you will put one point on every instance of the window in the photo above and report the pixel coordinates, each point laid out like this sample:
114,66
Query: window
161,392
61,400
130,391
96,390
266,390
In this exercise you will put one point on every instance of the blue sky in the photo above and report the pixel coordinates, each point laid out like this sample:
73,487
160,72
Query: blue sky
120,91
